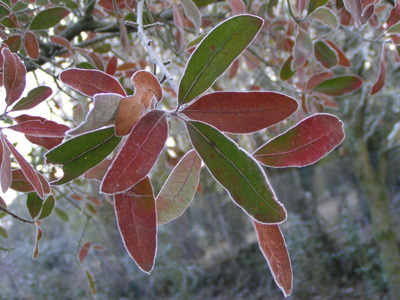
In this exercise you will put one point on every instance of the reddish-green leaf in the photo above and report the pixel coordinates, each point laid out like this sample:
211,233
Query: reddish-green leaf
104,112
21,184
48,18
138,154
318,78
325,54
303,49
343,60
31,45
98,171
61,214
273,247
304,144
359,15
380,82
241,112
27,169
79,154
237,172
34,97
178,191
14,42
14,76
83,251
45,142
216,52
39,235
286,71
91,82
34,204
47,207
339,86
137,223
5,166
39,128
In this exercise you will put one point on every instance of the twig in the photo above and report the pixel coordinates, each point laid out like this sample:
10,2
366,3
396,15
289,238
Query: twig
82,234
15,216
147,45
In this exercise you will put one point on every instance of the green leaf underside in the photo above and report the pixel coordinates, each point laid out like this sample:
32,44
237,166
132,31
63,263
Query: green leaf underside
178,191
48,18
216,53
82,153
339,86
237,172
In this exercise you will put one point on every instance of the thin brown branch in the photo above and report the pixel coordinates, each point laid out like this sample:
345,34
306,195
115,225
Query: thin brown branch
15,216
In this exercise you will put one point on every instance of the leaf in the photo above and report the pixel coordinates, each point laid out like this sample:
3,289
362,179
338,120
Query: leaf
304,144
339,86
47,207
237,172
273,247
286,71
13,76
3,232
193,13
343,60
380,82
21,184
318,78
39,128
131,109
394,15
137,223
14,42
360,17
104,112
138,154
83,251
46,142
39,235
241,112
5,169
98,171
34,97
325,54
27,169
62,42
178,191
90,280
91,82
395,29
34,204
111,66
31,45
314,4
61,214
216,52
79,154
303,49
48,18
325,16
237,6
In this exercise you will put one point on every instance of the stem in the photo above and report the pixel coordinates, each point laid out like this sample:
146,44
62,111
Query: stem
15,216
147,45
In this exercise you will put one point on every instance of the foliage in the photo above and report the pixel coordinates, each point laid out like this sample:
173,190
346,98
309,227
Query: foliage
129,112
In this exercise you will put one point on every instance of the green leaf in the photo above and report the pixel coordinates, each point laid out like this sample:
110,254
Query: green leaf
325,54
237,172
314,4
48,18
82,153
217,51
61,214
339,86
34,97
34,204
90,280
48,207
286,71
325,16
394,29
3,232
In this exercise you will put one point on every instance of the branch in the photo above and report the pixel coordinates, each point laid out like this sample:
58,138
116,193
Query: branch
15,216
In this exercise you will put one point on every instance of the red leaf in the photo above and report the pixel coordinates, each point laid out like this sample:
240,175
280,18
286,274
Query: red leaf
304,144
112,65
241,112
237,6
355,9
234,68
83,251
62,42
46,142
380,82
39,128
98,171
91,82
343,60
27,169
108,4
21,184
137,223
318,78
273,247
14,76
13,42
138,154
394,15
5,165
31,45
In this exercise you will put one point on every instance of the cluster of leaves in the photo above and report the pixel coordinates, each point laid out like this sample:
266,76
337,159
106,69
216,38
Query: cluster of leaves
124,133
